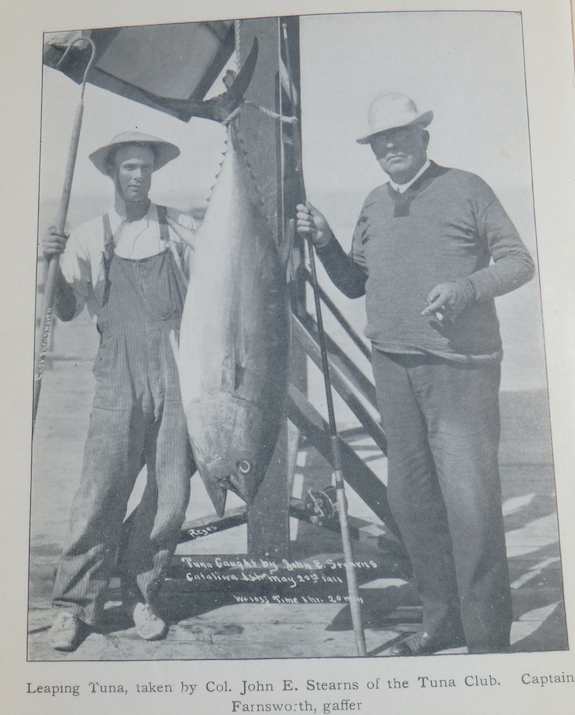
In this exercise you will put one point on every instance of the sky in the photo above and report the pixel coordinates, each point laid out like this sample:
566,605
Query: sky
468,68
185,182
465,66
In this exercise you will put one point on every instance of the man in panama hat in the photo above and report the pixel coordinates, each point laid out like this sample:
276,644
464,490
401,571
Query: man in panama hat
129,268
431,249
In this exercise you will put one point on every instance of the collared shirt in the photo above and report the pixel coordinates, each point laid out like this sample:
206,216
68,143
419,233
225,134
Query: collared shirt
82,263
400,188
136,239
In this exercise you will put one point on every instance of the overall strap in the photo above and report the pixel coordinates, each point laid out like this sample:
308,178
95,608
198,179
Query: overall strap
163,221
108,255
165,236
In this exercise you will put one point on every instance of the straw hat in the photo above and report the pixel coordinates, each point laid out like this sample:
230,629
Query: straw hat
389,111
163,151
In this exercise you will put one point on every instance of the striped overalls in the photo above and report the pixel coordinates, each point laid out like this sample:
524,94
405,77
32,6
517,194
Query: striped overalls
137,419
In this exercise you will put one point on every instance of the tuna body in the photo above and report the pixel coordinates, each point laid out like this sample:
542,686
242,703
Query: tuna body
234,340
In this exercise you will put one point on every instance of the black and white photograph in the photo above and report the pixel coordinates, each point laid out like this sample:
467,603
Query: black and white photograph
292,430
189,466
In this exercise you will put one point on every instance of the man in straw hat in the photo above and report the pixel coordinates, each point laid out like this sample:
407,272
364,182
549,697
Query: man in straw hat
128,267
431,250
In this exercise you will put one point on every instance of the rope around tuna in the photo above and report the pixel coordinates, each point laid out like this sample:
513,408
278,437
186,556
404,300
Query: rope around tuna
246,102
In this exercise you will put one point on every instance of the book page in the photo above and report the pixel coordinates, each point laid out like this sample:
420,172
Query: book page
258,612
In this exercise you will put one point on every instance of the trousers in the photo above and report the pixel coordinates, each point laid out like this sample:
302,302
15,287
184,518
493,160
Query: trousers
442,424
137,419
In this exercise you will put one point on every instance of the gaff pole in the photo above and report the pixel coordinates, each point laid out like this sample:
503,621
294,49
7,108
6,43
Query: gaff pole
353,591
54,261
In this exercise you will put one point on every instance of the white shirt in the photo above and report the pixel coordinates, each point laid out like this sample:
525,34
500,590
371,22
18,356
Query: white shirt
82,263
400,188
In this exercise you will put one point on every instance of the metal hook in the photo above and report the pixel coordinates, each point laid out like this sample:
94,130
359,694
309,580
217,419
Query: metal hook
90,63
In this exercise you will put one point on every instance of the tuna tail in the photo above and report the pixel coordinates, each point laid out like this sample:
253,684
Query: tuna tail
217,108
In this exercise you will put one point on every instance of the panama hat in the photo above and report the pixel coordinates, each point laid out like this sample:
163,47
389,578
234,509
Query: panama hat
389,111
163,151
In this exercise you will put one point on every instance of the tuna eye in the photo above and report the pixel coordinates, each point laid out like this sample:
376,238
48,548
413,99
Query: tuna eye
244,466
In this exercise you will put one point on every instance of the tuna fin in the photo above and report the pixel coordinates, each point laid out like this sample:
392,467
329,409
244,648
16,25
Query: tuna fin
217,494
184,233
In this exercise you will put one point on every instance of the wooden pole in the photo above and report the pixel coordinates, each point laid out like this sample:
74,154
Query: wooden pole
54,261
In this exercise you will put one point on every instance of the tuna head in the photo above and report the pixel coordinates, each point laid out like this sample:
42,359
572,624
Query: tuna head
234,441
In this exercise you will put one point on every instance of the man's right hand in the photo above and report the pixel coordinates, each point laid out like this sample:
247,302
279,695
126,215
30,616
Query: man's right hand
310,222
53,244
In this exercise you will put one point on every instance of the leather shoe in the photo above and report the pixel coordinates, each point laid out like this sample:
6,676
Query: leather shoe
422,643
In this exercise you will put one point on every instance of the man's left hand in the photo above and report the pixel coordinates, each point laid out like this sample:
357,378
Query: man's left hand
446,301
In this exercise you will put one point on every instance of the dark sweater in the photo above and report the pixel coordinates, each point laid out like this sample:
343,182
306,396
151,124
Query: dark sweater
448,226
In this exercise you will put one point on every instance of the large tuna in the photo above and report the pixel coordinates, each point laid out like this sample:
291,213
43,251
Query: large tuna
234,339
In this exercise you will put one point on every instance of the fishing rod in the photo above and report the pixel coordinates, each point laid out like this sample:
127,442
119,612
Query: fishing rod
353,591
54,261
